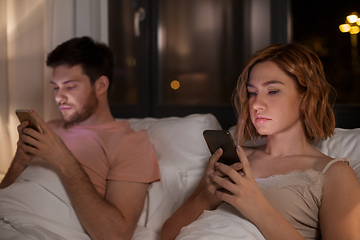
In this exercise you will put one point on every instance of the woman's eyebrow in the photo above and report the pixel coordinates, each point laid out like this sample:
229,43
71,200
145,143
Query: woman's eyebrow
267,83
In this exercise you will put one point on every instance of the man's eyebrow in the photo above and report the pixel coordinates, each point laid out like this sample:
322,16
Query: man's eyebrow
267,83
69,81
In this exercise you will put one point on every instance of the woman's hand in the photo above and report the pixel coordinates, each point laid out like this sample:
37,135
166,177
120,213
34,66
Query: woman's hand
242,191
211,170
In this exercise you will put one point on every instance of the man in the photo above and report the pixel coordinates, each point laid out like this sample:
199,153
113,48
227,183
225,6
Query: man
103,167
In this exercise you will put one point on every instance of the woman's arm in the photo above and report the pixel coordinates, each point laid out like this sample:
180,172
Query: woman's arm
186,214
245,195
201,199
340,208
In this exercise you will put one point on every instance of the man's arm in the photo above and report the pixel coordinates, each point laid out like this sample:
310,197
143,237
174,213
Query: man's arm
12,174
114,217
18,164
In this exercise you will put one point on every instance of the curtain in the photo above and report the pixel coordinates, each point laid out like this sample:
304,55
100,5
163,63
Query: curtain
29,30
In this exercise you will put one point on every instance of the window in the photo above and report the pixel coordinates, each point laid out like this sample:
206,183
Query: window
316,25
175,58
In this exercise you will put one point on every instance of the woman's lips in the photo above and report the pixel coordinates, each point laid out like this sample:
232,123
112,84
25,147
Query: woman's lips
261,119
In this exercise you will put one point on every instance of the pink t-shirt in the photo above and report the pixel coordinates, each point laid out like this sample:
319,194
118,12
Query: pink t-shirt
111,151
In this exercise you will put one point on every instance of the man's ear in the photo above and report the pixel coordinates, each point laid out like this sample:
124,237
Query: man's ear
101,85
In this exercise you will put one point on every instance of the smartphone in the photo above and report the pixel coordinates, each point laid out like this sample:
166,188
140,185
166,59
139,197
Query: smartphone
24,115
216,139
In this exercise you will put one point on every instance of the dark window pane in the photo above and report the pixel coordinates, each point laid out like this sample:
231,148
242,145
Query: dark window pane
198,63
316,24
123,44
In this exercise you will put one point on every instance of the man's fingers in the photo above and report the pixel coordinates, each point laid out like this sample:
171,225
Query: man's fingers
22,126
39,120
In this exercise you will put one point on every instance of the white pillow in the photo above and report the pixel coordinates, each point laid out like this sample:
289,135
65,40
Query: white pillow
182,156
344,143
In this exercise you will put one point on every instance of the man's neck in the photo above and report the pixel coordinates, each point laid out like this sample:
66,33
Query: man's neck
102,115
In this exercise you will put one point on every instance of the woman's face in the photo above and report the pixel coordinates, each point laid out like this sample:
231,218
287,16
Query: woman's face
274,101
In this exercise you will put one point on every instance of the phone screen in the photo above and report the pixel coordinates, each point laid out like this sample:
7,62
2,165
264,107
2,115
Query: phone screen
216,139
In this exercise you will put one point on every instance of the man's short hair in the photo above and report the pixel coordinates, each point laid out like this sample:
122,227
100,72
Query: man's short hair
96,59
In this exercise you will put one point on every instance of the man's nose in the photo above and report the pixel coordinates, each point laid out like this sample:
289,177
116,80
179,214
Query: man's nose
60,96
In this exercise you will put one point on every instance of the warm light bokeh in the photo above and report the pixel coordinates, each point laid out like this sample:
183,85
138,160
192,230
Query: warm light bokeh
175,84
352,24
352,18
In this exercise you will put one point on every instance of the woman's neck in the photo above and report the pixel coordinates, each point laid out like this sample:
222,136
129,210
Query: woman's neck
289,143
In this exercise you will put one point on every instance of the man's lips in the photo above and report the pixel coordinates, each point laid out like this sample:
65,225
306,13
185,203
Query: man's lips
64,108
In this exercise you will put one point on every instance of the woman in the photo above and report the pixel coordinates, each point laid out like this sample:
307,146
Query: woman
287,188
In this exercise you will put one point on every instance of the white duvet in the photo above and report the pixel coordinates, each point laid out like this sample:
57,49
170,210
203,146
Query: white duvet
224,223
36,206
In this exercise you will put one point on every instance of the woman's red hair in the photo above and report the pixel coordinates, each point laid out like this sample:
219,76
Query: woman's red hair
304,66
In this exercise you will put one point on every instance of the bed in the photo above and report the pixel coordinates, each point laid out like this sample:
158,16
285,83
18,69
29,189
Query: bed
182,155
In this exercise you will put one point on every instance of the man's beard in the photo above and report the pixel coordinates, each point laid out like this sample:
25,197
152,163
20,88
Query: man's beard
89,108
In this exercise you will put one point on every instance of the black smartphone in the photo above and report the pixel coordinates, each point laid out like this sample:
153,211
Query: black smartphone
216,139
24,115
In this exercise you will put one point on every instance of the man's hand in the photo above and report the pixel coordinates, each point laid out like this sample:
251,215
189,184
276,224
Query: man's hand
22,157
20,160
45,144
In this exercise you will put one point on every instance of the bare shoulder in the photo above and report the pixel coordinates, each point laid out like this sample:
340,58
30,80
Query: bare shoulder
340,203
339,170
340,180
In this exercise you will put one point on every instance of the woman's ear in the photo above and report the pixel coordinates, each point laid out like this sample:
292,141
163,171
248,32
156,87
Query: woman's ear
101,85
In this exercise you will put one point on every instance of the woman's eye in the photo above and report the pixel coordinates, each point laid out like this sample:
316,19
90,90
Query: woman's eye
252,93
273,92
70,88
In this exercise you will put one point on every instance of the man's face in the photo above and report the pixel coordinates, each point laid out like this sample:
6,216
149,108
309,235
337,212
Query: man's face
74,94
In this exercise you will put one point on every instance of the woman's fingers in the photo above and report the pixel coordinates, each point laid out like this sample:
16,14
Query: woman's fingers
244,161
228,171
225,185
215,157
213,160
237,166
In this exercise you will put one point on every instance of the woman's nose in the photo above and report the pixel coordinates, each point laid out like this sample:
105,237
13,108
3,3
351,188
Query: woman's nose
258,102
